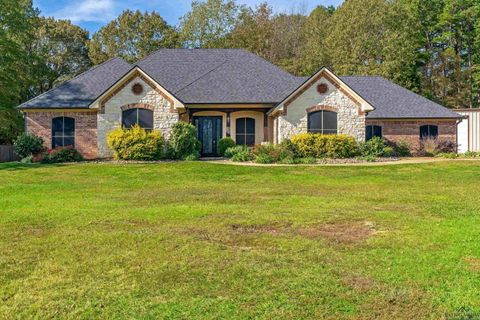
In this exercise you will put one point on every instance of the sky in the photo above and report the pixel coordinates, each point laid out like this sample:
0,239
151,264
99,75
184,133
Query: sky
93,14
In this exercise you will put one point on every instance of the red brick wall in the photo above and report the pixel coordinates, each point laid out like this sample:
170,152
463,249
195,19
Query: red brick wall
409,130
40,124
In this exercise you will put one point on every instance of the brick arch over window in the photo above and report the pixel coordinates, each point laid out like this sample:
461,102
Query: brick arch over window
322,107
137,105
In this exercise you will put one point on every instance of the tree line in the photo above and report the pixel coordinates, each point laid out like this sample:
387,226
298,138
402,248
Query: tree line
429,46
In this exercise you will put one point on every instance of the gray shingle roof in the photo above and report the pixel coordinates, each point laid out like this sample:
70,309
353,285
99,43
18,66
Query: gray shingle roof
393,101
218,76
229,76
82,90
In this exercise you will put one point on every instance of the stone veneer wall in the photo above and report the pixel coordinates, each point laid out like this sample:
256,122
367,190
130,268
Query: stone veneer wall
111,117
350,122
409,130
40,124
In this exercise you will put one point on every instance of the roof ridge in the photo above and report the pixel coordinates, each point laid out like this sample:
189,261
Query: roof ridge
70,80
203,75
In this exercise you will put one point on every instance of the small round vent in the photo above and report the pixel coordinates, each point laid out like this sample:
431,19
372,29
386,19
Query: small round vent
137,89
322,88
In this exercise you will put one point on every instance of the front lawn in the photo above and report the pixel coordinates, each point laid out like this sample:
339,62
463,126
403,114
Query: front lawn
209,241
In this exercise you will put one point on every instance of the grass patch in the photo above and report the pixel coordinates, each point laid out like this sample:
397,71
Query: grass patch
202,241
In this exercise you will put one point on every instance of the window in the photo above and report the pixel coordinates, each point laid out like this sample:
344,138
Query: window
63,132
324,122
428,131
142,117
373,131
245,131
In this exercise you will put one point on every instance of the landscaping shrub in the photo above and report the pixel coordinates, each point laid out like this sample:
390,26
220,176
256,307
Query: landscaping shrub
432,146
324,146
239,154
28,144
471,154
267,153
183,141
59,155
224,144
376,147
136,144
400,148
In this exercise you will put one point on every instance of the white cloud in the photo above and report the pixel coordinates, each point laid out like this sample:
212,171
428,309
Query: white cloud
87,11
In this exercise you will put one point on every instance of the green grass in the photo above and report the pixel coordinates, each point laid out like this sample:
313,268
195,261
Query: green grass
208,241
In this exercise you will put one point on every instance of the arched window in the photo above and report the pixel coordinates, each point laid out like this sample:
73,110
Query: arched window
142,117
323,121
245,131
428,131
373,131
63,132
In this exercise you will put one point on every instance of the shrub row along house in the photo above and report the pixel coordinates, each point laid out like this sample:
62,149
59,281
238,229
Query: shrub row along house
228,92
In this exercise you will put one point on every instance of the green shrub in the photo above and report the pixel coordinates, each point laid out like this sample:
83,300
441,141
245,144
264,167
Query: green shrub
264,159
26,160
287,150
376,147
60,155
267,151
388,151
136,144
471,154
306,160
400,148
224,144
28,144
239,154
448,155
183,141
311,145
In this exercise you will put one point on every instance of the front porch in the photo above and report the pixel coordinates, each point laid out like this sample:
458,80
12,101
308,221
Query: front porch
245,125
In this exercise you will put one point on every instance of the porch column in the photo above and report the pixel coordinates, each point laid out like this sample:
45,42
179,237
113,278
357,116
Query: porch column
228,124
265,127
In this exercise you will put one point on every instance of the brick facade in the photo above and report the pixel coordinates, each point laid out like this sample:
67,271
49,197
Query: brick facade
40,124
409,130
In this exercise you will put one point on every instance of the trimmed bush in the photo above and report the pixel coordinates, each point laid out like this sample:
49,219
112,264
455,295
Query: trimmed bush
376,147
183,141
136,144
311,145
224,144
239,154
266,153
59,155
28,144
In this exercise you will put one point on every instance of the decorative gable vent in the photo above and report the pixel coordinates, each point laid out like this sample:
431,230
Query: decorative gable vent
137,89
322,88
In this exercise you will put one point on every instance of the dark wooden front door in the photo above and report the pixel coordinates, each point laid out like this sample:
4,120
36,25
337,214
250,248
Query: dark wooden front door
209,132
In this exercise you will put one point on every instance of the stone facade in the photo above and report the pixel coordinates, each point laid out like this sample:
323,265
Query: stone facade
110,117
350,120
40,124
408,131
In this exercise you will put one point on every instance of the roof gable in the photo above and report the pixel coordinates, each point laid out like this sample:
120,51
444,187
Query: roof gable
218,76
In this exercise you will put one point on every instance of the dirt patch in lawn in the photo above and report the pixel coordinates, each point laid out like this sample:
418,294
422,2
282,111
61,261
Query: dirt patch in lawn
473,263
359,283
342,232
275,228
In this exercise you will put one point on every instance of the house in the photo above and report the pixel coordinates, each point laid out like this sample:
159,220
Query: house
228,92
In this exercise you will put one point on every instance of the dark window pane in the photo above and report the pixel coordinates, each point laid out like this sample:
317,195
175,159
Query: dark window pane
329,120
250,140
240,138
68,126
250,125
69,141
129,118
373,131
240,125
57,126
315,122
428,131
145,118
57,142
